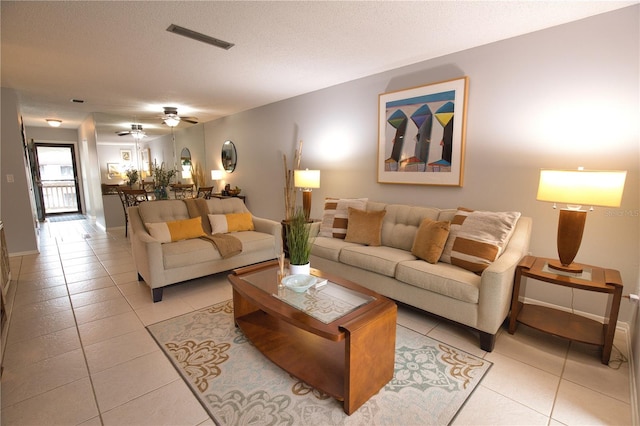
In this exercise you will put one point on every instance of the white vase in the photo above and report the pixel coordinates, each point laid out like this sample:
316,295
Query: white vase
300,269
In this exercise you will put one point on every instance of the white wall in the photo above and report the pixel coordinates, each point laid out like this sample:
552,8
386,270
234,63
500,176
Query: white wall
16,209
562,97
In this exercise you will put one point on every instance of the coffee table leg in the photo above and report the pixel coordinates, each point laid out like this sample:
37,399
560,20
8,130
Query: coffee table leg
370,356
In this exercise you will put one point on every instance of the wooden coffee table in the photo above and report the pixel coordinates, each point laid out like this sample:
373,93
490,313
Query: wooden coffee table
350,357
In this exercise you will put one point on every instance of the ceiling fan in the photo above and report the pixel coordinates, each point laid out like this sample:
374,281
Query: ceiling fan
136,131
172,119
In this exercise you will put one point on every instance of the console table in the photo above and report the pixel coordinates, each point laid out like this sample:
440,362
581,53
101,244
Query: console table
219,195
567,324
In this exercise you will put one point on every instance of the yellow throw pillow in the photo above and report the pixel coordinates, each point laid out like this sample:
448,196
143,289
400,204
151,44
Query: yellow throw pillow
232,222
430,240
364,227
176,230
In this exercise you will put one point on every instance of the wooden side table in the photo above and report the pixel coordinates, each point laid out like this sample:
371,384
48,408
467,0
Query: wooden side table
566,324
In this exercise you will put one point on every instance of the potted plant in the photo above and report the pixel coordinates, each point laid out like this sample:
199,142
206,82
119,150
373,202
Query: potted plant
298,243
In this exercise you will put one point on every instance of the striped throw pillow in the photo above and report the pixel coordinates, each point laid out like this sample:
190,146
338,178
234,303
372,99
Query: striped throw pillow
478,239
336,216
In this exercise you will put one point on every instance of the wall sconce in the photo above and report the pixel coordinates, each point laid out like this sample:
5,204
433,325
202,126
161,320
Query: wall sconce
306,180
217,175
53,122
577,188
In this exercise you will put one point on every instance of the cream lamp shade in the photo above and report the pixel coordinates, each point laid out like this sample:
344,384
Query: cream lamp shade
306,178
577,188
582,187
217,174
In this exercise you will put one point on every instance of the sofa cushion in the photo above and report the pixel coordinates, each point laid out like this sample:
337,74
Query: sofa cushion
335,216
231,222
364,227
441,278
163,211
402,222
176,230
382,260
430,240
329,248
477,238
191,252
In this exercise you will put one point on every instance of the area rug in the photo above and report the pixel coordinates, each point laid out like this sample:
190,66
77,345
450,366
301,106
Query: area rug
237,385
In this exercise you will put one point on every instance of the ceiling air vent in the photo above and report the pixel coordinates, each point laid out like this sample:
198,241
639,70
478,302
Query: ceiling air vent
176,29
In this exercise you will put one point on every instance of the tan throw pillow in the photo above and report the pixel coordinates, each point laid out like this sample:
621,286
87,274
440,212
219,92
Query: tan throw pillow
480,238
364,227
177,230
430,240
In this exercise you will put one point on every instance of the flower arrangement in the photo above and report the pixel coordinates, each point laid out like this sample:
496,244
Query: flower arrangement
161,176
132,176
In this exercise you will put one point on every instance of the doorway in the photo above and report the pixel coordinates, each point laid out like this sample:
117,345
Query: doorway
56,177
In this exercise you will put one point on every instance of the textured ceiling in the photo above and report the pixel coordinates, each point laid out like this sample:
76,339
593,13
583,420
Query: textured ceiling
118,57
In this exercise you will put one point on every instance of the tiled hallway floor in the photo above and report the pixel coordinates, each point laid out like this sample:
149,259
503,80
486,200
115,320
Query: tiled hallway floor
78,351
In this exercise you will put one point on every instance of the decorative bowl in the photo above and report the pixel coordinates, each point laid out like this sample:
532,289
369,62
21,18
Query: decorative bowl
234,192
299,283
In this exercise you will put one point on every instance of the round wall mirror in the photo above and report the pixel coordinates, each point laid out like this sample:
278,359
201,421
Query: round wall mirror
229,156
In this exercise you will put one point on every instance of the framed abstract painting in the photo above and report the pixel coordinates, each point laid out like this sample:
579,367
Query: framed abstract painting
421,134
113,170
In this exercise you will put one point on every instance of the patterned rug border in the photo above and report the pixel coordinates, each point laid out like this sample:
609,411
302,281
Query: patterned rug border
369,421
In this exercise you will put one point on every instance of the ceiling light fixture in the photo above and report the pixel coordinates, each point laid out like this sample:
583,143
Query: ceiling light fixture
185,32
137,132
53,122
171,121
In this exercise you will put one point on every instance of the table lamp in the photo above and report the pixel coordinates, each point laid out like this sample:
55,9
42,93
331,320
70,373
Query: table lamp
577,188
217,175
306,180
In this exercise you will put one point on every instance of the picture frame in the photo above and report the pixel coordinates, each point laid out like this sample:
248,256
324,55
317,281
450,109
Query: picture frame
113,170
421,134
145,161
125,156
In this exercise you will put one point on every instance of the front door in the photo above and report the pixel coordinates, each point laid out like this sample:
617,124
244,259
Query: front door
57,178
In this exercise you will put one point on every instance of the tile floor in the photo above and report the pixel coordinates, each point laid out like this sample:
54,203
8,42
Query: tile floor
78,352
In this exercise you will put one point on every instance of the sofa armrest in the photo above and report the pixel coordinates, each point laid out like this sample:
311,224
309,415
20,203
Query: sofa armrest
314,229
497,280
147,251
272,227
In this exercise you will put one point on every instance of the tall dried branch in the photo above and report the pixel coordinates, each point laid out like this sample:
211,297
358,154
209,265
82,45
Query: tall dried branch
289,188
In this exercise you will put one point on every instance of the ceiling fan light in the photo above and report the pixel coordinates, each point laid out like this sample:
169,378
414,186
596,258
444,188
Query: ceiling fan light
171,121
138,134
53,122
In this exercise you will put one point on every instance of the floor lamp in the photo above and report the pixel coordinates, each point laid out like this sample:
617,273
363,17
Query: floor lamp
306,180
577,188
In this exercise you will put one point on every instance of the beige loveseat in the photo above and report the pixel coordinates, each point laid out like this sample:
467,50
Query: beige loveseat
161,264
478,300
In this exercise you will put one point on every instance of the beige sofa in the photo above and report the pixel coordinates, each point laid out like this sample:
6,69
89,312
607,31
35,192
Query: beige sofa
479,301
162,264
